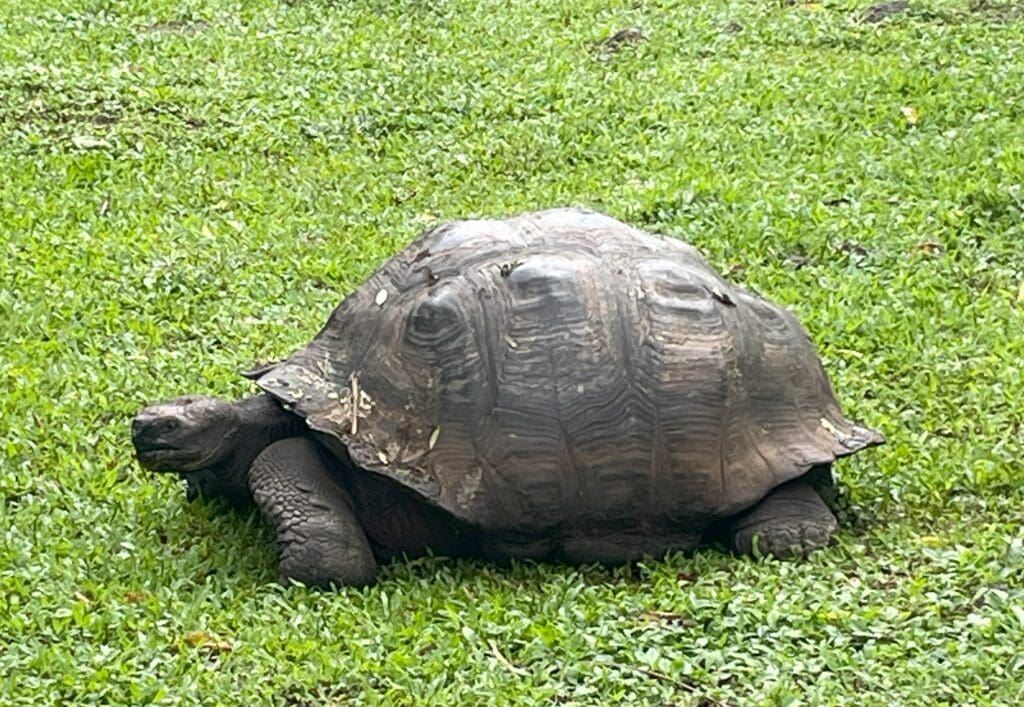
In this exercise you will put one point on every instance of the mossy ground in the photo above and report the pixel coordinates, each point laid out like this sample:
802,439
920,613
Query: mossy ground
187,187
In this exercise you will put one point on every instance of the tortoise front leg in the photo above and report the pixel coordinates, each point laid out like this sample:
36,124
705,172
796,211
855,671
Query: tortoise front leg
791,521
320,540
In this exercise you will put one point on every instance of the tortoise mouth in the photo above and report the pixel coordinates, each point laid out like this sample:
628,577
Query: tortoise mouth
145,449
170,458
162,458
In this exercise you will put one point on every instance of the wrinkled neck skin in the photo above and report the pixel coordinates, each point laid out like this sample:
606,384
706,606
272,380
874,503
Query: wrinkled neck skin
261,422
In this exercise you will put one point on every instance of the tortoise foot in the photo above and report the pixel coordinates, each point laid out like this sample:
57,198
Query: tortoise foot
790,522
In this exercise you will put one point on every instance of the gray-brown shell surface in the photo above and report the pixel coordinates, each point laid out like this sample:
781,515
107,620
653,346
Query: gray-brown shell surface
561,369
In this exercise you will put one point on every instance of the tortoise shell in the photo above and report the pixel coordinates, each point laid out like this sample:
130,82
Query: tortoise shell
563,369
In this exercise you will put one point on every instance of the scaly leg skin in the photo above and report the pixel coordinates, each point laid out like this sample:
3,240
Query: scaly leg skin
320,540
791,521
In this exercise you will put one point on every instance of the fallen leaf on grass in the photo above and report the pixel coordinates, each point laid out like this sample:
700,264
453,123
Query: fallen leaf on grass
79,596
797,261
666,617
929,247
630,35
88,142
204,640
877,13
910,114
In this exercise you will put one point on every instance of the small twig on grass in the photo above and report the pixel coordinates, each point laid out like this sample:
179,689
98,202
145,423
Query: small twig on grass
692,689
496,652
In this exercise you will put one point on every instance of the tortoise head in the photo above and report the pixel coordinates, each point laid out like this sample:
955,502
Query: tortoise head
189,434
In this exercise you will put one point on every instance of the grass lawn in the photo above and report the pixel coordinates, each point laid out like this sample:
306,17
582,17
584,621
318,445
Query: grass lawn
187,187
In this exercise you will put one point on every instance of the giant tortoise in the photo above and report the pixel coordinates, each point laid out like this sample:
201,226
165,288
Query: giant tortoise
556,385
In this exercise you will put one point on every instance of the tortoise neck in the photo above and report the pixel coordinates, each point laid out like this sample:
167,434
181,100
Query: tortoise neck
261,422
265,421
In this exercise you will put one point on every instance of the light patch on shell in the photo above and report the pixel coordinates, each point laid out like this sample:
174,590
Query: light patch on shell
735,376
432,442
381,297
383,457
470,486
832,429
365,401
338,415
326,369
718,294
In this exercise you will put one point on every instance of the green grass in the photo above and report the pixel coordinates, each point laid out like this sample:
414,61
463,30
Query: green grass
187,187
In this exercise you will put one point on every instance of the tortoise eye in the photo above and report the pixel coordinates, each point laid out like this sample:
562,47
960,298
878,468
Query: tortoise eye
169,425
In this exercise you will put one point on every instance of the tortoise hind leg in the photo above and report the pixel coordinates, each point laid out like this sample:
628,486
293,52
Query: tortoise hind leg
791,521
320,540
